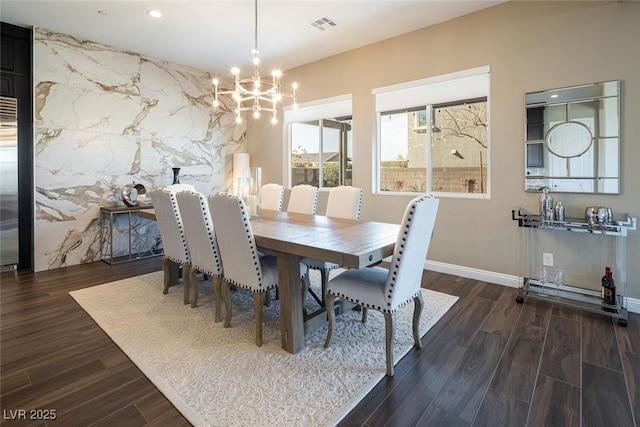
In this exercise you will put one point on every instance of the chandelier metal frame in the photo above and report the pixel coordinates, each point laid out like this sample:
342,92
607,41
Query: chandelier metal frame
255,93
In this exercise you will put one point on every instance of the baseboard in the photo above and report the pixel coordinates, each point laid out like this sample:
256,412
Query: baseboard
633,304
475,273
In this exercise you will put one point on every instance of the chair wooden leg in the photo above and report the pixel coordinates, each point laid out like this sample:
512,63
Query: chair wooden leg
186,288
258,300
418,303
226,296
217,296
365,311
267,299
331,316
168,274
194,285
390,328
324,274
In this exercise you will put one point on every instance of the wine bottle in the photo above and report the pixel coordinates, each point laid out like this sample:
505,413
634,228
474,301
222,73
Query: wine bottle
605,285
612,288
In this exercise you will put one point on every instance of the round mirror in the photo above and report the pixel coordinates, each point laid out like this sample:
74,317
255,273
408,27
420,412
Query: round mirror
569,139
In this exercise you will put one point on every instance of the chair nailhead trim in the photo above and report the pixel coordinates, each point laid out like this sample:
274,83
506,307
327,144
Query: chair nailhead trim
374,307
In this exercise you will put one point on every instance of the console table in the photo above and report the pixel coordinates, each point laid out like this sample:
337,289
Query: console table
125,236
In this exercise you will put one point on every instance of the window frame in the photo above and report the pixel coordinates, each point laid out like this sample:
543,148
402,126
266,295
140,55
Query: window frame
426,93
316,111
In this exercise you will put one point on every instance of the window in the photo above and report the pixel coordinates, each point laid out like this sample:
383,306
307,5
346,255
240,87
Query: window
320,144
432,135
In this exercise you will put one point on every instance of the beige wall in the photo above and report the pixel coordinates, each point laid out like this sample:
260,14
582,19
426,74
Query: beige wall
530,46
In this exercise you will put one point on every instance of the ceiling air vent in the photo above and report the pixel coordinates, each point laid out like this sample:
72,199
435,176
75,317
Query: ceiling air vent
323,23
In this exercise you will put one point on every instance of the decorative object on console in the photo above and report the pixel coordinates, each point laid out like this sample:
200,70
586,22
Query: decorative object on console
591,215
558,211
255,94
240,161
546,205
608,290
135,195
176,175
605,215
249,186
598,215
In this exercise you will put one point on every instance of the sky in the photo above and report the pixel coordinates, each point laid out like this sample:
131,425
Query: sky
394,133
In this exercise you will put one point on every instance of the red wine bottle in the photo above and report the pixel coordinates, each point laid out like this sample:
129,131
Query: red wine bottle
605,285
612,289
608,291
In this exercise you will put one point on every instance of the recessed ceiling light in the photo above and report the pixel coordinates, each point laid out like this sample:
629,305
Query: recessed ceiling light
554,96
154,13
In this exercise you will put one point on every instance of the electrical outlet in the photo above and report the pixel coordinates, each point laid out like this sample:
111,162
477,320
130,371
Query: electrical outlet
547,259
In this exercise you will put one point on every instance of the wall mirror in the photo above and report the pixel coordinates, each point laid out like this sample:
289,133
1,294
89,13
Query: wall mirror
572,139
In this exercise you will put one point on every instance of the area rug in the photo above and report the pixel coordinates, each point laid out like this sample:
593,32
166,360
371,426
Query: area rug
217,376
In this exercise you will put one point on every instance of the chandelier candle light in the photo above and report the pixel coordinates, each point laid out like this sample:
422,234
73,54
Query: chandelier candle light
255,94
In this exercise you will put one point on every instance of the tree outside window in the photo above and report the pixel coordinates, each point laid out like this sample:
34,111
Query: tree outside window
440,147
459,147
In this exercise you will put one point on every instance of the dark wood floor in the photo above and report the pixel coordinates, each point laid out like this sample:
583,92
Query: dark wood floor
488,362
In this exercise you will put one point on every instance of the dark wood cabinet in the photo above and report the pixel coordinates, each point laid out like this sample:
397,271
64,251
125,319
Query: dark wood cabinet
16,82
15,50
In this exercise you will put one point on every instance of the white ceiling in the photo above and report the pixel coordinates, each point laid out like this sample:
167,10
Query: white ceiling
213,35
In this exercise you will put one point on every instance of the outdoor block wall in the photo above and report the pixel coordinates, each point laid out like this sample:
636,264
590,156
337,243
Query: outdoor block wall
449,179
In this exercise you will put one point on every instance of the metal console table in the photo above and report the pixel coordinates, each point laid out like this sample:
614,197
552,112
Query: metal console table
577,297
118,223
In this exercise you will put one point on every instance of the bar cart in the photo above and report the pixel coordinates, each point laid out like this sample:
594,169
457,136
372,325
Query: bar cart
577,296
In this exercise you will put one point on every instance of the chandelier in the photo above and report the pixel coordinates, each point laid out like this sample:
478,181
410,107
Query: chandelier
255,94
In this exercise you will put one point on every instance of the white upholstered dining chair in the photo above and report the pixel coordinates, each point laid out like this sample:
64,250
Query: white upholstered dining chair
271,196
180,187
244,266
203,245
343,202
388,290
303,199
173,238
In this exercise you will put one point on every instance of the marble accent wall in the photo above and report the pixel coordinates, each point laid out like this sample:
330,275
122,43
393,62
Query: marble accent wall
105,118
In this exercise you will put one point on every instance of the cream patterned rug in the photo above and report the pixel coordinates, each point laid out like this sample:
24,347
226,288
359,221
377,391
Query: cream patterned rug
218,377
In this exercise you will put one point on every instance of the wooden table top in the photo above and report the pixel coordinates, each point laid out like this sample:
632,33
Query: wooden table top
350,243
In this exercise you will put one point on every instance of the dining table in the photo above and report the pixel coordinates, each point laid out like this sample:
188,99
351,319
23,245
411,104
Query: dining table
292,236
